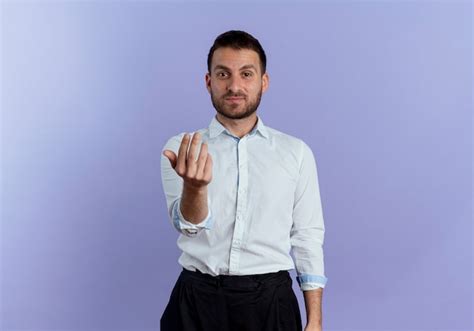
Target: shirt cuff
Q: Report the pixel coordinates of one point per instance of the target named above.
(310, 282)
(187, 228)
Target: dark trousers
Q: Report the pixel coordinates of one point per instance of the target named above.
(201, 302)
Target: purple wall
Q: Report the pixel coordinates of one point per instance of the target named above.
(381, 91)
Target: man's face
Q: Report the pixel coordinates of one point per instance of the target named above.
(236, 82)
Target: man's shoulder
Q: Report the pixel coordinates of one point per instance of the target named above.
(290, 144)
(283, 138)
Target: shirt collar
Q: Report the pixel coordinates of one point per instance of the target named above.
(216, 128)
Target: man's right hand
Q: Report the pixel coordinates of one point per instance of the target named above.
(196, 173)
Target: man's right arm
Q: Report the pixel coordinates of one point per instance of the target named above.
(185, 176)
(194, 204)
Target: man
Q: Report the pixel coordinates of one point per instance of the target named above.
(242, 195)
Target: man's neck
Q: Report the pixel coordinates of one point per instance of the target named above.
(238, 127)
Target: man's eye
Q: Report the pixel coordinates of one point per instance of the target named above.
(247, 74)
(221, 74)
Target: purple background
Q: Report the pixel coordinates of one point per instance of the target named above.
(381, 91)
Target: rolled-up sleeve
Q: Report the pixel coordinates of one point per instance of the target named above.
(307, 233)
(172, 188)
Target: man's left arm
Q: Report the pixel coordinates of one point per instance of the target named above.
(313, 304)
(307, 238)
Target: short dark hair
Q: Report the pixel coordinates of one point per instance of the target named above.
(238, 39)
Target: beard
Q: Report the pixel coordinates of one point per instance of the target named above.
(225, 109)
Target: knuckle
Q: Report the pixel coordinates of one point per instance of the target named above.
(187, 178)
(199, 178)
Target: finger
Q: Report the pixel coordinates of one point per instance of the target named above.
(171, 157)
(193, 149)
(208, 168)
(201, 162)
(181, 162)
(191, 159)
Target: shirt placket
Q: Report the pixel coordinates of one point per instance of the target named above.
(237, 237)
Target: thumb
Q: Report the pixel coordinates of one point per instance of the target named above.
(171, 156)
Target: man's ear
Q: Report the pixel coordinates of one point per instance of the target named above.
(208, 82)
(265, 82)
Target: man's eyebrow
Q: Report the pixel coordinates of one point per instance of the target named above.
(247, 66)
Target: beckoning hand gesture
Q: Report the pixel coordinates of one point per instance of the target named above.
(196, 172)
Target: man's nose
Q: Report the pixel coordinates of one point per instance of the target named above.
(234, 84)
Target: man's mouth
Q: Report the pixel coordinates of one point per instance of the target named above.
(234, 98)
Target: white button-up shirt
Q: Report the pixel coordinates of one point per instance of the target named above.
(263, 202)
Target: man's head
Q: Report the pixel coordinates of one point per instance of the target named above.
(237, 39)
(237, 74)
